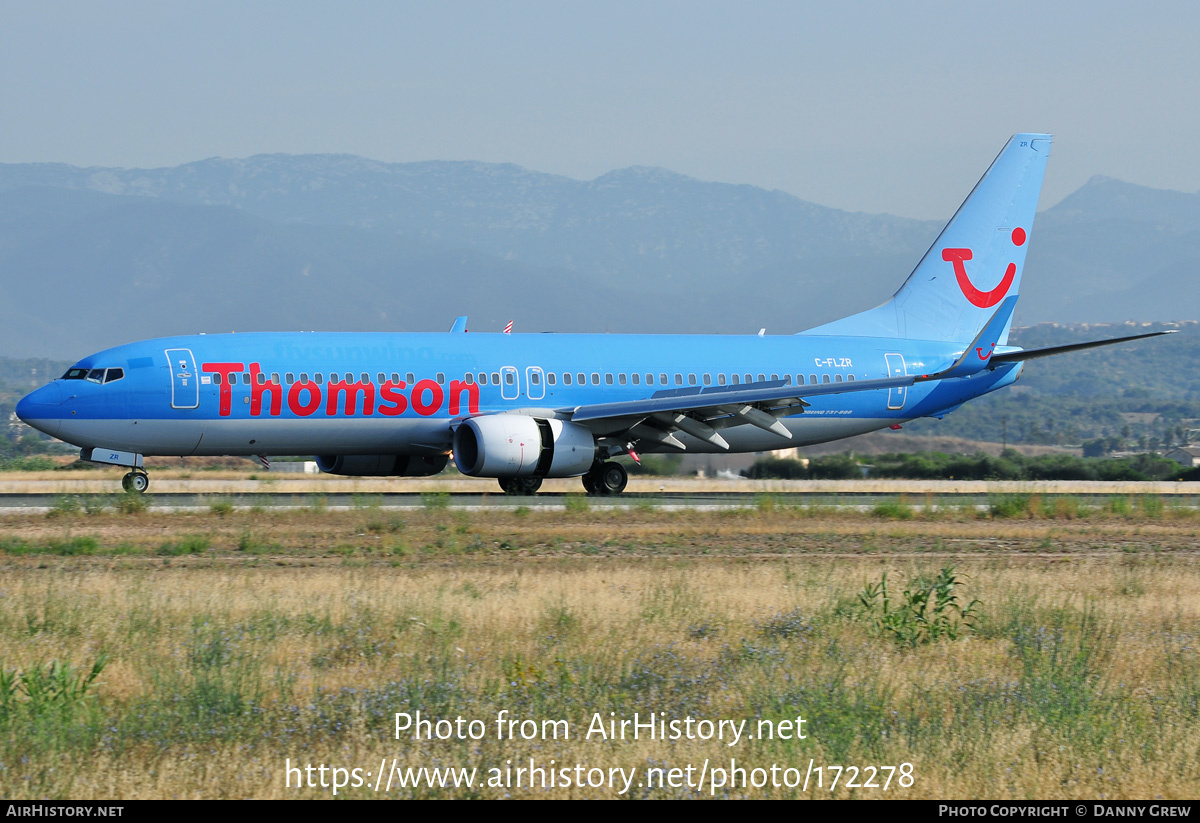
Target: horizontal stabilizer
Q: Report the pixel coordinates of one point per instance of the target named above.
(1049, 351)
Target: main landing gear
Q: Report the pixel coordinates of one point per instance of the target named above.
(520, 485)
(606, 478)
(136, 481)
(602, 478)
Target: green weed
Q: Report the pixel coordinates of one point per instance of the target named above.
(47, 688)
(189, 544)
(893, 510)
(929, 609)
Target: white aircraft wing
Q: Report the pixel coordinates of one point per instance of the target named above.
(703, 411)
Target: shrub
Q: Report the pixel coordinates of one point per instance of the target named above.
(929, 609)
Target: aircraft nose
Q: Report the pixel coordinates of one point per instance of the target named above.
(42, 409)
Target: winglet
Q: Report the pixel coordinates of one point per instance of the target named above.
(976, 356)
(459, 326)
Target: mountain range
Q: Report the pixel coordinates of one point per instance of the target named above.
(92, 257)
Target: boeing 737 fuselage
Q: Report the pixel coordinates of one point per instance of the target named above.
(522, 407)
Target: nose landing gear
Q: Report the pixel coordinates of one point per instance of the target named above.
(136, 481)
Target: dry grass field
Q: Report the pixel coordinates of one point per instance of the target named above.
(227, 644)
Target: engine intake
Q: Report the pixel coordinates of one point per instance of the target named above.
(381, 465)
(516, 445)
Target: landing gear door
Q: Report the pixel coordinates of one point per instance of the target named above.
(185, 384)
(896, 368)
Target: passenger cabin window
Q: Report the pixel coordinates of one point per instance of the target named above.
(849, 378)
(216, 378)
(262, 378)
(737, 380)
(567, 378)
(720, 380)
(535, 378)
(495, 378)
(551, 378)
(812, 378)
(382, 378)
(608, 378)
(799, 380)
(662, 379)
(509, 377)
(787, 380)
(246, 379)
(291, 378)
(395, 378)
(837, 378)
(409, 377)
(691, 379)
(637, 379)
(707, 379)
(749, 378)
(596, 378)
(366, 378)
(483, 378)
(824, 378)
(649, 379)
(621, 378)
(304, 377)
(275, 377)
(762, 378)
(469, 379)
(441, 378)
(678, 379)
(318, 378)
(581, 378)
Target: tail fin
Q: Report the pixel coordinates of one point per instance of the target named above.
(975, 262)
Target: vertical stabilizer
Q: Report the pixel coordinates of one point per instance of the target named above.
(974, 264)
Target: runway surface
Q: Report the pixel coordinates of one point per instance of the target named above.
(850, 496)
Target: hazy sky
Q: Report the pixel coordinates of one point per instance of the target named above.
(894, 107)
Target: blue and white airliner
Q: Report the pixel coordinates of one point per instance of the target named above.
(522, 407)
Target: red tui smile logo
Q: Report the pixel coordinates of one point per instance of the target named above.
(982, 299)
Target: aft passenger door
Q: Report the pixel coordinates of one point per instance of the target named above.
(896, 368)
(185, 384)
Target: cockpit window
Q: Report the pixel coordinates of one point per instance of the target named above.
(94, 375)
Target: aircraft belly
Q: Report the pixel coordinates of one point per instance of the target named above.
(162, 437)
(326, 436)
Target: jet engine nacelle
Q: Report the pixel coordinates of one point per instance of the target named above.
(516, 445)
(381, 465)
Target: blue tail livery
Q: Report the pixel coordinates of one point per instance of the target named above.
(523, 407)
